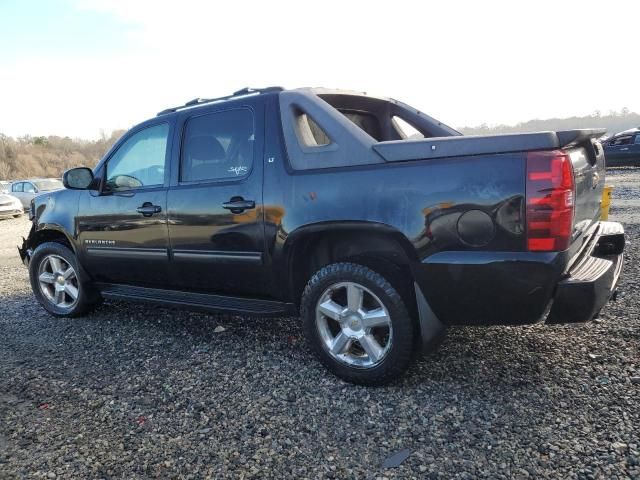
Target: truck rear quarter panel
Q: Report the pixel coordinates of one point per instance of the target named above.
(438, 205)
(462, 216)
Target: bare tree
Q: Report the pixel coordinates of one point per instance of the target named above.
(5, 170)
(29, 156)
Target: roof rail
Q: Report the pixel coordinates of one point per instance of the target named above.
(239, 93)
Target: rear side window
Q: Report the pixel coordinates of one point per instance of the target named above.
(405, 129)
(28, 187)
(16, 187)
(309, 132)
(218, 146)
(637, 142)
(366, 121)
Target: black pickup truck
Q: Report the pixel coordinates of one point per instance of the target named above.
(376, 223)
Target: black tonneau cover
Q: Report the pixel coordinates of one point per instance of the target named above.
(457, 146)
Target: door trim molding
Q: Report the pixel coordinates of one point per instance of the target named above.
(218, 256)
(124, 252)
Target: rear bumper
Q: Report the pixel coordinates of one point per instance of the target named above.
(520, 288)
(592, 280)
(490, 288)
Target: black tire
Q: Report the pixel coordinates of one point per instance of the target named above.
(87, 297)
(401, 351)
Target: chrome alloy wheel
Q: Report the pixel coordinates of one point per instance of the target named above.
(354, 325)
(58, 281)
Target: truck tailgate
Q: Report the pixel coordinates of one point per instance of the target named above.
(587, 159)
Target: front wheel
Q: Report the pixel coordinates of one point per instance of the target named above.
(53, 272)
(357, 324)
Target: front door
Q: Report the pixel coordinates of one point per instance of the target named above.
(619, 151)
(17, 190)
(123, 226)
(216, 226)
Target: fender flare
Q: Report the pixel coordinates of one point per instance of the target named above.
(54, 227)
(285, 254)
(336, 226)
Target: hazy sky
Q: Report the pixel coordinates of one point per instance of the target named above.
(73, 67)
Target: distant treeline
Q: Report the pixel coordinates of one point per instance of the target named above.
(50, 156)
(28, 156)
(614, 122)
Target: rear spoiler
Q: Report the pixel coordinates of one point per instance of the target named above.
(461, 146)
(573, 138)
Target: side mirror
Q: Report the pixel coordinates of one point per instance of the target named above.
(77, 178)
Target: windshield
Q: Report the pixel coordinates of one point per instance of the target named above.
(48, 185)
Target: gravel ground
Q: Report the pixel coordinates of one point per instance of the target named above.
(140, 392)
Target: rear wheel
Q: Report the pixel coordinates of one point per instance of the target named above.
(53, 271)
(357, 324)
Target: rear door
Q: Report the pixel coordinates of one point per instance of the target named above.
(29, 193)
(216, 224)
(123, 226)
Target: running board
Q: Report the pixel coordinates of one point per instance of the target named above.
(197, 301)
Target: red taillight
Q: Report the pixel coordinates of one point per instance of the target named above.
(550, 201)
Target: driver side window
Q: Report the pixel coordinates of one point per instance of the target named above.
(140, 160)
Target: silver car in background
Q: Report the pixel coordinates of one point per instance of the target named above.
(26, 190)
(10, 206)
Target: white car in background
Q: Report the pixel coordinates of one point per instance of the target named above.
(10, 206)
(26, 190)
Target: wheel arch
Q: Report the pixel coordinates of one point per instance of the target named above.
(375, 245)
(50, 233)
(39, 235)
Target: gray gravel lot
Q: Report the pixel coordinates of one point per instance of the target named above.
(141, 392)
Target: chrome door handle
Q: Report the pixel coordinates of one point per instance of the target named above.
(147, 209)
(239, 205)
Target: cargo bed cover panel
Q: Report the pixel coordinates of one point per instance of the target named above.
(457, 146)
